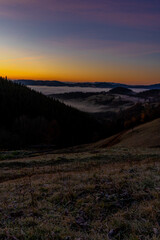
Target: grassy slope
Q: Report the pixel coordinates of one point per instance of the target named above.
(145, 135)
(98, 195)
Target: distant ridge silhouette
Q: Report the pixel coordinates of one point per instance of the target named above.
(83, 84)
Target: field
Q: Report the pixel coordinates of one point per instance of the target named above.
(111, 193)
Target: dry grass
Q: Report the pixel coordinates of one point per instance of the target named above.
(107, 194)
(145, 135)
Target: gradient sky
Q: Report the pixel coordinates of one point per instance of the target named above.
(81, 40)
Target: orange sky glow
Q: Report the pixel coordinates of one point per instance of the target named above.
(102, 41)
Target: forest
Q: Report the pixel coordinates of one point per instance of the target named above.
(30, 118)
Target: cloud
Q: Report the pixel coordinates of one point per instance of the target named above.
(125, 13)
(119, 48)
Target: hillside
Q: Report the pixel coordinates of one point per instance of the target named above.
(150, 95)
(109, 194)
(92, 191)
(30, 118)
(145, 135)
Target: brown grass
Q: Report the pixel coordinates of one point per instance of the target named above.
(145, 135)
(108, 194)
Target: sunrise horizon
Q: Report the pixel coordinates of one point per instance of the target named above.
(84, 81)
(81, 40)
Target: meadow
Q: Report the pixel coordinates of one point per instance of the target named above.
(80, 193)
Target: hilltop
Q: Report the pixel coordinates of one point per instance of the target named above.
(121, 90)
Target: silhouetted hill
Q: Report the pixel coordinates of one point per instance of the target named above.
(29, 117)
(76, 95)
(144, 135)
(154, 93)
(121, 90)
(84, 84)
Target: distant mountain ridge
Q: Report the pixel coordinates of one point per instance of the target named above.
(83, 84)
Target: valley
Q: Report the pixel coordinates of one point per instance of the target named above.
(100, 179)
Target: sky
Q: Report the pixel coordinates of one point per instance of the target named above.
(81, 40)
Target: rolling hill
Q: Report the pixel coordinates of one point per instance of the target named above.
(121, 90)
(145, 135)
